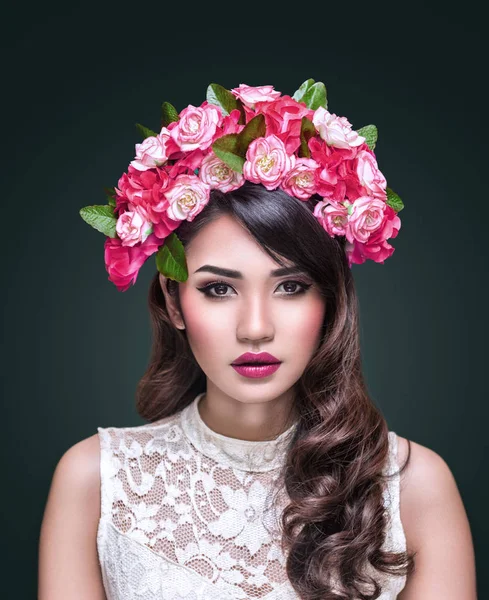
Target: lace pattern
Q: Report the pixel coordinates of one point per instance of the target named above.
(189, 514)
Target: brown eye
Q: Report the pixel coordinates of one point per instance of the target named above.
(217, 289)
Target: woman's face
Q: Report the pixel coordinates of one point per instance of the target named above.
(226, 316)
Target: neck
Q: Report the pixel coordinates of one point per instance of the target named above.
(251, 420)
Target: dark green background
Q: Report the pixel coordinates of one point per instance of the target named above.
(76, 80)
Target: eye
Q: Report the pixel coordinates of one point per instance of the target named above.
(220, 286)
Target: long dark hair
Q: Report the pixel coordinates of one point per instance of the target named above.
(335, 521)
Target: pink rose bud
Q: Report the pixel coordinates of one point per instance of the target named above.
(335, 131)
(267, 161)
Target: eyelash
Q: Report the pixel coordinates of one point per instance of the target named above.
(205, 289)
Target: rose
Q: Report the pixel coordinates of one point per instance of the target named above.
(217, 174)
(283, 117)
(250, 95)
(267, 161)
(153, 152)
(300, 181)
(144, 189)
(377, 248)
(366, 216)
(133, 226)
(196, 126)
(335, 178)
(335, 131)
(333, 216)
(369, 174)
(123, 262)
(187, 196)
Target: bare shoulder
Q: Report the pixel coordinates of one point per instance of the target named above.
(68, 558)
(429, 499)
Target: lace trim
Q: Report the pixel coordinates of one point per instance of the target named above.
(246, 455)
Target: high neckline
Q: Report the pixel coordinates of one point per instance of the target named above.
(246, 455)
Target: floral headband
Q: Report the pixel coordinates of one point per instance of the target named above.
(247, 133)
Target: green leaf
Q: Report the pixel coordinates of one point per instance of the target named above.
(170, 259)
(298, 94)
(307, 132)
(226, 148)
(313, 94)
(168, 114)
(101, 218)
(254, 129)
(394, 200)
(145, 132)
(369, 132)
(111, 196)
(220, 96)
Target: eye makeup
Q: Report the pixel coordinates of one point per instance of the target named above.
(206, 289)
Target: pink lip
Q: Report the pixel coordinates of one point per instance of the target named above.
(256, 371)
(261, 357)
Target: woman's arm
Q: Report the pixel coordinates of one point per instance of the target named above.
(68, 560)
(436, 526)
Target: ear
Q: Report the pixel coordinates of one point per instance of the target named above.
(171, 302)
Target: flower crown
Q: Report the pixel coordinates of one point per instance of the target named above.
(247, 133)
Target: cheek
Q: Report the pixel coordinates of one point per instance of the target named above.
(303, 327)
(207, 328)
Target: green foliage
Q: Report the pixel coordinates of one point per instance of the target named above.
(313, 94)
(168, 114)
(170, 259)
(145, 131)
(394, 200)
(369, 132)
(101, 218)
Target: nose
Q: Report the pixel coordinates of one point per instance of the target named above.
(255, 320)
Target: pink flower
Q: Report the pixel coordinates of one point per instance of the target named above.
(153, 152)
(377, 248)
(187, 196)
(366, 216)
(267, 161)
(336, 178)
(283, 117)
(336, 131)
(123, 262)
(250, 95)
(217, 174)
(300, 181)
(133, 226)
(196, 127)
(144, 189)
(333, 216)
(369, 174)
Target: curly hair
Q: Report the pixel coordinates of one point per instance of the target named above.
(335, 522)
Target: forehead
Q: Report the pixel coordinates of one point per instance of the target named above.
(225, 242)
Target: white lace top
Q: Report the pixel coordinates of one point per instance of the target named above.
(186, 513)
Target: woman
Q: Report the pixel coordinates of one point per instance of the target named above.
(277, 479)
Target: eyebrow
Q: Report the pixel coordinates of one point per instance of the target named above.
(238, 275)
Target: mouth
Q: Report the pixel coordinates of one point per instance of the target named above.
(256, 370)
(255, 364)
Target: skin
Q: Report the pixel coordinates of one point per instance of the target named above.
(254, 316)
(258, 313)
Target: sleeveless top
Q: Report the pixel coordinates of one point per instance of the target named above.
(186, 513)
